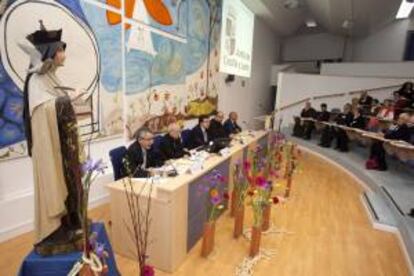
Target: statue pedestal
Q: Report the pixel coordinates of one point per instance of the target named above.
(36, 265)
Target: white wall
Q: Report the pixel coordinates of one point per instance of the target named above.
(16, 183)
(296, 87)
(377, 69)
(312, 47)
(387, 44)
(247, 101)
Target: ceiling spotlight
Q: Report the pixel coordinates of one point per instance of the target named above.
(291, 4)
(311, 23)
(405, 9)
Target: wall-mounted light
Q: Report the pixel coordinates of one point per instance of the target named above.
(405, 9)
(311, 23)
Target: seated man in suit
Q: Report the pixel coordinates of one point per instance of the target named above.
(199, 134)
(399, 132)
(308, 126)
(171, 146)
(216, 129)
(230, 125)
(140, 155)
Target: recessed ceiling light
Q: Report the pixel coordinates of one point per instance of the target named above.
(311, 23)
(405, 9)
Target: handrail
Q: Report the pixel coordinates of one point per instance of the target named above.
(354, 92)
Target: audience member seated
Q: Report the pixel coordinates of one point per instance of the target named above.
(407, 91)
(400, 103)
(199, 134)
(324, 115)
(216, 129)
(399, 132)
(365, 102)
(171, 146)
(358, 121)
(309, 113)
(385, 113)
(345, 119)
(230, 125)
(411, 127)
(140, 155)
(376, 107)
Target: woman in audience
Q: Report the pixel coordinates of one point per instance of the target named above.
(365, 102)
(400, 103)
(385, 113)
(401, 131)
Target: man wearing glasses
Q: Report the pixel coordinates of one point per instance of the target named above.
(140, 155)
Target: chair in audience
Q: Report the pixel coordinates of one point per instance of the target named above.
(117, 155)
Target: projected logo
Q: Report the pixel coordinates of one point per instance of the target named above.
(230, 39)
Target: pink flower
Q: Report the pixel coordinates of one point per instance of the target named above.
(261, 182)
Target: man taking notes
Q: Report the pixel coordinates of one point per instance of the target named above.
(140, 155)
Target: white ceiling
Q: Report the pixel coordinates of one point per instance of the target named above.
(365, 15)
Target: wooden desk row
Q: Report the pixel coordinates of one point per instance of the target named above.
(178, 211)
(403, 150)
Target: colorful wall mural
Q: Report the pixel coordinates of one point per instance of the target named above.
(161, 78)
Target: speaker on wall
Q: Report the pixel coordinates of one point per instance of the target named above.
(229, 78)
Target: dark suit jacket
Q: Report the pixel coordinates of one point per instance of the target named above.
(135, 159)
(345, 119)
(399, 133)
(310, 113)
(197, 138)
(216, 130)
(323, 116)
(231, 128)
(358, 122)
(171, 148)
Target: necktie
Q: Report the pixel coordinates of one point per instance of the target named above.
(205, 135)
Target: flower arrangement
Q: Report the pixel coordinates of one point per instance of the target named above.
(93, 258)
(217, 196)
(139, 212)
(216, 200)
(291, 155)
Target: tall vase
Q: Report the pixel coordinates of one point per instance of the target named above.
(266, 217)
(288, 186)
(208, 238)
(255, 241)
(238, 221)
(233, 202)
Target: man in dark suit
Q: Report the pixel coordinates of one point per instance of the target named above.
(216, 129)
(171, 146)
(324, 115)
(308, 126)
(365, 102)
(399, 132)
(231, 126)
(199, 134)
(140, 155)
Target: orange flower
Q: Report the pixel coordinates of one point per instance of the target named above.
(214, 193)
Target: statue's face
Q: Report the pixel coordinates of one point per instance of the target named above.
(60, 57)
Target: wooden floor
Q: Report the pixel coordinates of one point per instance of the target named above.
(331, 235)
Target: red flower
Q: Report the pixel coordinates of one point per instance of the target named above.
(247, 166)
(275, 200)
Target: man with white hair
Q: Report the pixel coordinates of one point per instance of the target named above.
(171, 146)
(400, 132)
(141, 156)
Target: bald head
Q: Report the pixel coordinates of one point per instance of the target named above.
(174, 130)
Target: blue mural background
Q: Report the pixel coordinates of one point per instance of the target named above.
(173, 62)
